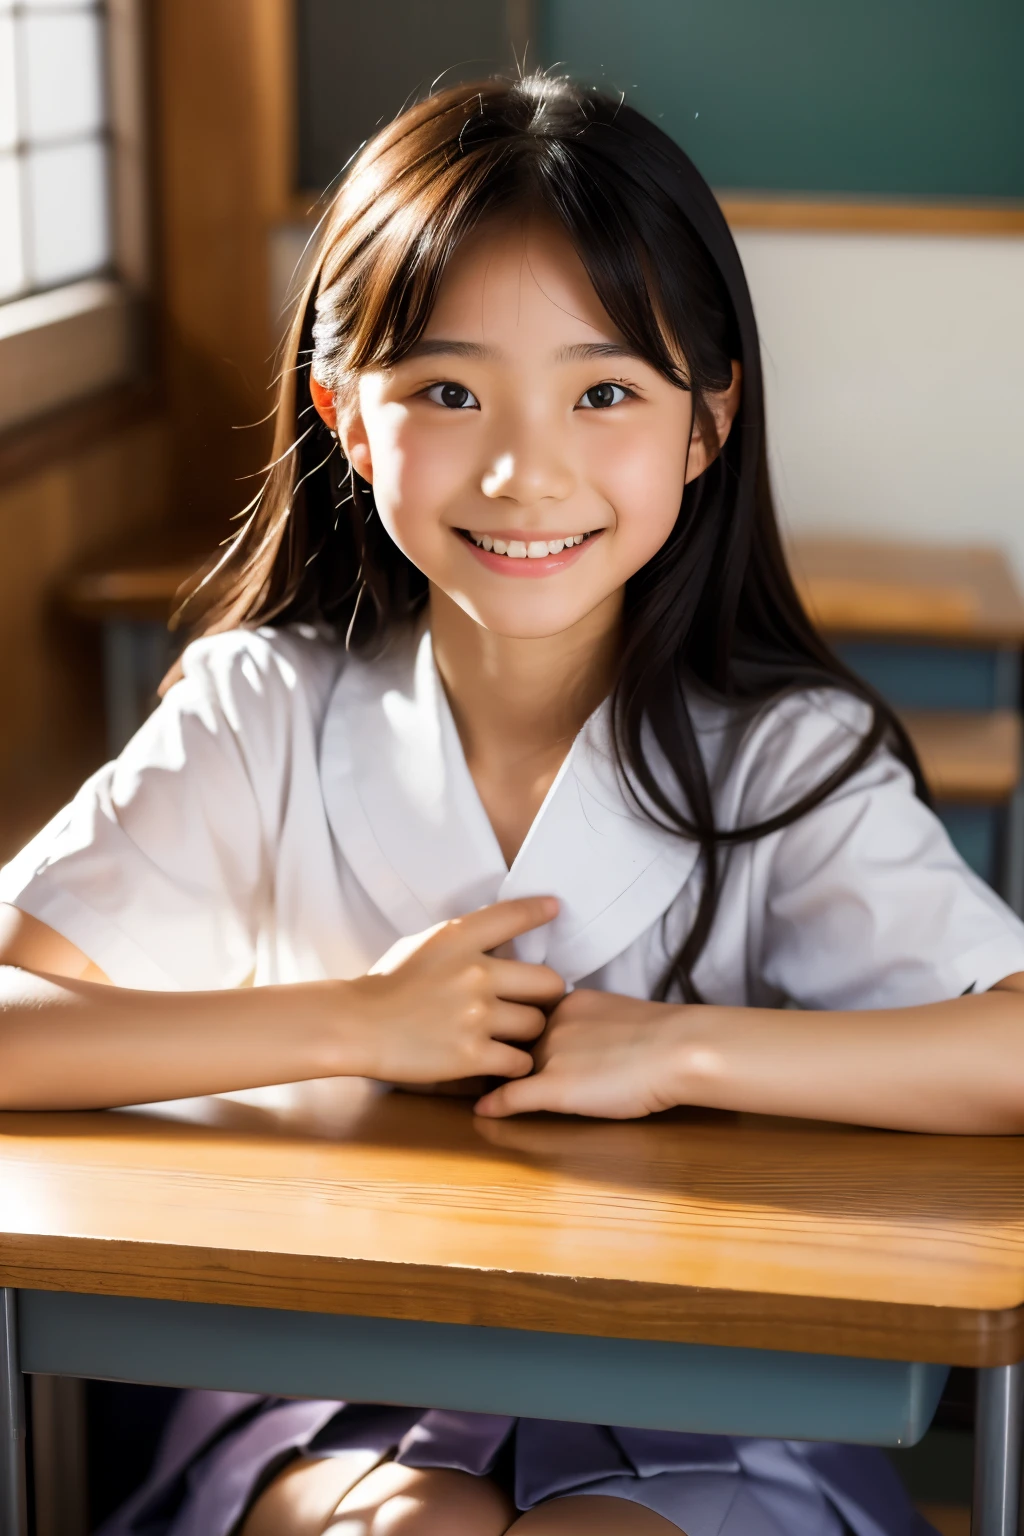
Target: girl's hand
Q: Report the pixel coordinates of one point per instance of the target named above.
(602, 1055)
(439, 1006)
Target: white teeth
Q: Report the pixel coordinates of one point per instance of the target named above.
(521, 549)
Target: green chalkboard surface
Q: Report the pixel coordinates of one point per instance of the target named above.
(360, 61)
(905, 98)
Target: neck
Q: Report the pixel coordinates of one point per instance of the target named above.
(518, 699)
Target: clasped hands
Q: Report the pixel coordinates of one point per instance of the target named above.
(443, 1006)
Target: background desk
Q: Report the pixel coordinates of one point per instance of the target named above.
(939, 631)
(701, 1272)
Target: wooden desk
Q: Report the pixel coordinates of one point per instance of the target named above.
(131, 599)
(968, 756)
(703, 1272)
(869, 587)
(853, 587)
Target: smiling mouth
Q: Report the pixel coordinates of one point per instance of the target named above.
(523, 549)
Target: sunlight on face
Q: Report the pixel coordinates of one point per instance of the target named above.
(522, 457)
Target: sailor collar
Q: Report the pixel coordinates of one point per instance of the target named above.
(408, 821)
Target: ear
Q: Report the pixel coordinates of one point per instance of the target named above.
(723, 407)
(355, 444)
(349, 429)
(323, 399)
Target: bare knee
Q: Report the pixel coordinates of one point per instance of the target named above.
(302, 1499)
(409, 1501)
(592, 1515)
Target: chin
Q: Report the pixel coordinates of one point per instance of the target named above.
(529, 621)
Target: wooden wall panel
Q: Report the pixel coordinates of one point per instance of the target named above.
(50, 683)
(221, 142)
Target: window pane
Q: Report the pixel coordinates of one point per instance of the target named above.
(8, 112)
(63, 74)
(12, 276)
(67, 189)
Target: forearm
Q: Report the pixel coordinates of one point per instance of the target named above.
(67, 1044)
(954, 1067)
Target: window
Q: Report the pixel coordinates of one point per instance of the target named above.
(73, 227)
(55, 223)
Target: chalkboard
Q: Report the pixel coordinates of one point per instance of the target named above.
(918, 98)
(360, 61)
(903, 98)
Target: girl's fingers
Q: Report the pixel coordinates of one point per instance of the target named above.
(516, 1021)
(505, 1061)
(516, 1098)
(495, 925)
(520, 982)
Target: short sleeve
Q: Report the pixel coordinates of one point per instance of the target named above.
(866, 903)
(160, 868)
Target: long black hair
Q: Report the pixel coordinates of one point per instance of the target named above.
(716, 608)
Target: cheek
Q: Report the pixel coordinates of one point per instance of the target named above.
(642, 476)
(415, 471)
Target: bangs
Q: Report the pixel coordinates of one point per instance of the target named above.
(411, 201)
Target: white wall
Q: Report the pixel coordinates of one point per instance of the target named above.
(894, 370)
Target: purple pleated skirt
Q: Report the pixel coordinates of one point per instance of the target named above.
(222, 1448)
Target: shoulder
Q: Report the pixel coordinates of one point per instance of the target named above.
(763, 758)
(244, 673)
(808, 729)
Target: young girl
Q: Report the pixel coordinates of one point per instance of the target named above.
(508, 751)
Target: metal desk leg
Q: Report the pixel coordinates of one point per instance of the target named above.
(13, 1483)
(998, 1435)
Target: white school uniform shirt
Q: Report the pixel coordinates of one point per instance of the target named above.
(288, 812)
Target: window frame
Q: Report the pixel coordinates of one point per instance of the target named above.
(89, 337)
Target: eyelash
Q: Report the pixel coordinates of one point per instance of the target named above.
(627, 392)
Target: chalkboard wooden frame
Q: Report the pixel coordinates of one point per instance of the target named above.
(760, 210)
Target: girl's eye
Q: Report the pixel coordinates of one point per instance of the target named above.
(600, 396)
(454, 397)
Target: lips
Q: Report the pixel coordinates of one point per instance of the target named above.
(519, 557)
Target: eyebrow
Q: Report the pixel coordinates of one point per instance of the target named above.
(585, 351)
(441, 347)
(579, 352)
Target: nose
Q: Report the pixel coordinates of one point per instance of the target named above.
(529, 472)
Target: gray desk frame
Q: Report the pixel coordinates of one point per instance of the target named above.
(699, 1388)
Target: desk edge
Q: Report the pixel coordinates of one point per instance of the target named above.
(535, 1303)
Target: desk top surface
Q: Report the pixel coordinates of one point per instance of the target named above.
(863, 588)
(699, 1227)
(972, 756)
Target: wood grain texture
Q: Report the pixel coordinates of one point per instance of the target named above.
(693, 1227)
(220, 144)
(971, 756)
(929, 591)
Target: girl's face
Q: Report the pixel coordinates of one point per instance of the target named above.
(522, 456)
